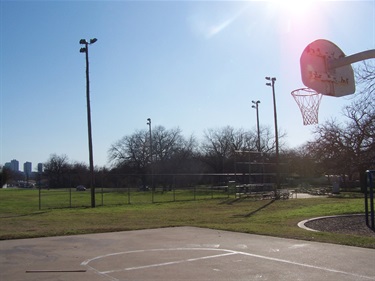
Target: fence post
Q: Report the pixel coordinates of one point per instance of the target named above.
(369, 196)
(152, 189)
(129, 194)
(174, 188)
(70, 191)
(102, 177)
(40, 191)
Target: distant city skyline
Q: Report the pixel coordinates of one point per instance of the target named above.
(14, 165)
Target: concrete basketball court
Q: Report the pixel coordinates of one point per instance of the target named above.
(181, 253)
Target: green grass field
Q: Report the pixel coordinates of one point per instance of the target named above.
(21, 218)
(32, 199)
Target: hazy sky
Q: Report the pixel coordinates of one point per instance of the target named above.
(195, 65)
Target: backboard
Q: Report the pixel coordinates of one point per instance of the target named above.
(317, 75)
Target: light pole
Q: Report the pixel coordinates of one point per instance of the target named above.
(272, 84)
(85, 49)
(151, 162)
(256, 104)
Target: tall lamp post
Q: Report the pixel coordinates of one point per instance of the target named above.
(256, 104)
(85, 50)
(272, 84)
(151, 162)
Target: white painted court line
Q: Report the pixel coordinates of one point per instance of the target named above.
(308, 266)
(154, 250)
(106, 273)
(228, 253)
(169, 263)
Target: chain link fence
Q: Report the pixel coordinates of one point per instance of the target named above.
(121, 189)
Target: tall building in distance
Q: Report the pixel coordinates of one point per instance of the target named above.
(40, 167)
(27, 169)
(14, 165)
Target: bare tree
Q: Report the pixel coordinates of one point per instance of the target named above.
(301, 163)
(348, 148)
(267, 140)
(365, 80)
(171, 153)
(56, 170)
(166, 143)
(220, 145)
(331, 148)
(133, 151)
(79, 174)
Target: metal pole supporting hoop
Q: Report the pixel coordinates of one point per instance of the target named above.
(369, 200)
(308, 102)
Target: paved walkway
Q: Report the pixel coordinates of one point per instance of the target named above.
(181, 253)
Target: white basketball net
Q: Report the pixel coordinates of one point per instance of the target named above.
(308, 102)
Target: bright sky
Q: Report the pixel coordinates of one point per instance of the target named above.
(195, 65)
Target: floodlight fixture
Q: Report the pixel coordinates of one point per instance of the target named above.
(271, 79)
(84, 41)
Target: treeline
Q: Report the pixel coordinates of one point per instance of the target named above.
(346, 149)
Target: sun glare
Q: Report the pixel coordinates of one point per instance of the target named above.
(295, 7)
(293, 14)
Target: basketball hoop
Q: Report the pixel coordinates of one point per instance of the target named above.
(308, 102)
